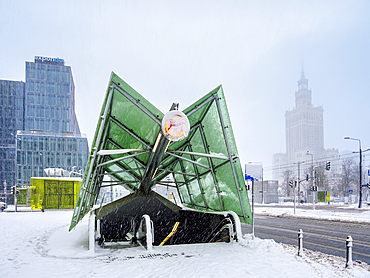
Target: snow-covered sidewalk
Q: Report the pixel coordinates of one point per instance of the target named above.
(348, 213)
(35, 244)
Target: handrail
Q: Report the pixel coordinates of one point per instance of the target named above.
(235, 221)
(171, 233)
(217, 229)
(226, 226)
(149, 232)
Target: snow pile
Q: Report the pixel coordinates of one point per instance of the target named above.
(35, 244)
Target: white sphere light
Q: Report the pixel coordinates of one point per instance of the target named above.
(175, 125)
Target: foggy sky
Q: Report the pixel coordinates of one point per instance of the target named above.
(178, 51)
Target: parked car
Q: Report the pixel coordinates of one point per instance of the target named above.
(3, 206)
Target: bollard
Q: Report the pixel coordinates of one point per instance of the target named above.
(91, 227)
(349, 263)
(300, 242)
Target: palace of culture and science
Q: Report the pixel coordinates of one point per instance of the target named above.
(304, 134)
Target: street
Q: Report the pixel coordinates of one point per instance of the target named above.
(319, 235)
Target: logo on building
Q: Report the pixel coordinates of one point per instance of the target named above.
(49, 60)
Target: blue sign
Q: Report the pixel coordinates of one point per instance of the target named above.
(250, 178)
(351, 191)
(368, 173)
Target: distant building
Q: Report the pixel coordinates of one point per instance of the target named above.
(37, 117)
(270, 192)
(304, 126)
(304, 131)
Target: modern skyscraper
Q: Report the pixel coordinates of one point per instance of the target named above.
(37, 117)
(11, 120)
(50, 96)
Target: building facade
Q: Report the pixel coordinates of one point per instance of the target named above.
(50, 97)
(38, 120)
(11, 120)
(304, 125)
(39, 150)
(304, 132)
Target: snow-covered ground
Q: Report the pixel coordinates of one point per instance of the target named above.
(348, 213)
(36, 244)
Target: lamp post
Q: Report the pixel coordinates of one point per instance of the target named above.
(360, 151)
(250, 178)
(312, 178)
(15, 168)
(250, 162)
(296, 194)
(314, 187)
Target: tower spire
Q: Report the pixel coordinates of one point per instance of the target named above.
(303, 80)
(303, 96)
(302, 73)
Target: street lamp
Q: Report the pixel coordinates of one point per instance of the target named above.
(360, 151)
(312, 179)
(297, 185)
(311, 154)
(15, 168)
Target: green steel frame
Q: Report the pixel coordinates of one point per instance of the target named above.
(205, 166)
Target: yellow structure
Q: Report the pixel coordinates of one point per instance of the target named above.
(23, 196)
(54, 192)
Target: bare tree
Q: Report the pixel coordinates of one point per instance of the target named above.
(348, 178)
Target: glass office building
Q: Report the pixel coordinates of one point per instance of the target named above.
(37, 117)
(38, 150)
(11, 120)
(50, 97)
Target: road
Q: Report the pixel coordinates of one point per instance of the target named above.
(318, 235)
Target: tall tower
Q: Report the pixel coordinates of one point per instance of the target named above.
(304, 131)
(304, 127)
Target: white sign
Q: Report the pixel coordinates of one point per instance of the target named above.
(48, 60)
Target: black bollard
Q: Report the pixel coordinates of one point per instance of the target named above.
(300, 242)
(349, 263)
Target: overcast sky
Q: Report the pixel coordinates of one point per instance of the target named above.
(177, 51)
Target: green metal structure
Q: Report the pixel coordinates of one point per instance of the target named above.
(204, 167)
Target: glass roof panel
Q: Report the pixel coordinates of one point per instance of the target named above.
(128, 121)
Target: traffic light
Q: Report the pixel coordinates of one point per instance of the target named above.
(291, 183)
(327, 165)
(247, 186)
(12, 190)
(307, 177)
